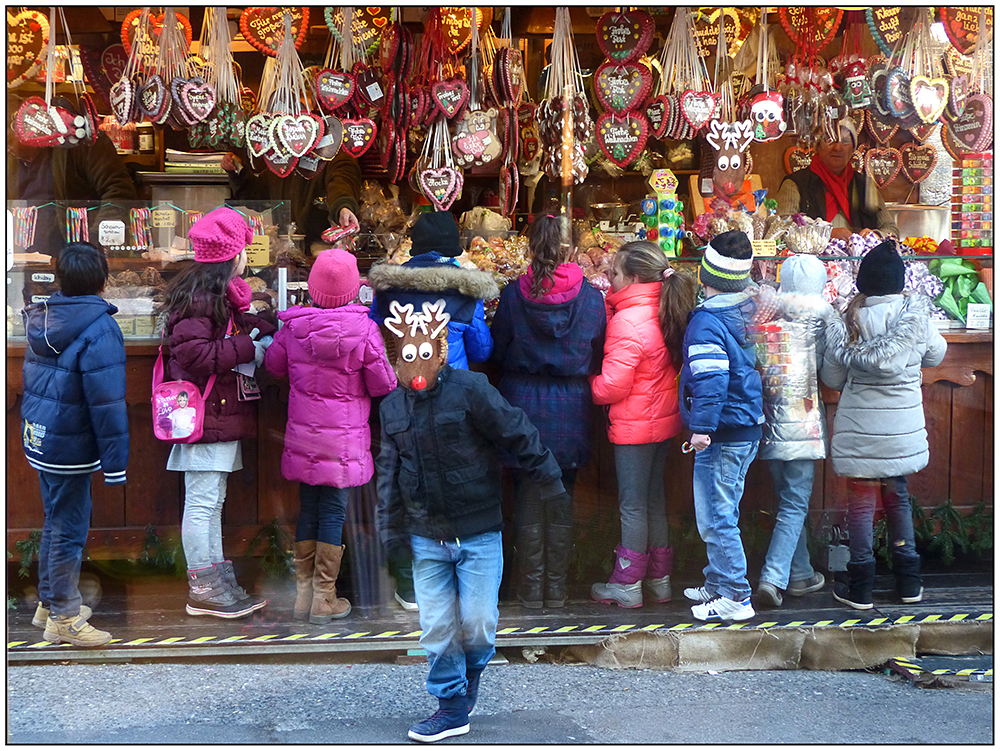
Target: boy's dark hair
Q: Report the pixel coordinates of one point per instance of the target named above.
(81, 269)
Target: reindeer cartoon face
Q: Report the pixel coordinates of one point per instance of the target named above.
(730, 141)
(418, 348)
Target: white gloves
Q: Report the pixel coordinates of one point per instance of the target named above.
(261, 346)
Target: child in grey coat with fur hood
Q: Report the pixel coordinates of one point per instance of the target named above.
(794, 435)
(874, 357)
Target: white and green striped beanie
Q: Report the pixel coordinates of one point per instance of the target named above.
(725, 266)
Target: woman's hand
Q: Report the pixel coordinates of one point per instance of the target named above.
(231, 163)
(347, 219)
(841, 233)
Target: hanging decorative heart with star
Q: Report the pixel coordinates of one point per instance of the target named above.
(622, 88)
(624, 37)
(622, 138)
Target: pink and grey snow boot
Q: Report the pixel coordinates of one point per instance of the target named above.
(625, 586)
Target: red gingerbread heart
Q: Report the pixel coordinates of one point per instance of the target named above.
(27, 40)
(622, 138)
(450, 96)
(698, 107)
(624, 37)
(334, 89)
(359, 135)
(35, 126)
(622, 88)
(258, 134)
(918, 161)
(264, 28)
(882, 165)
(797, 158)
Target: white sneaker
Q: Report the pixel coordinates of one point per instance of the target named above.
(698, 594)
(724, 609)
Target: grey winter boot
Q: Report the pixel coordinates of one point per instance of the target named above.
(625, 586)
(228, 574)
(210, 595)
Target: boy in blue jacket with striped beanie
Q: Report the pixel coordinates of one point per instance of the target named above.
(73, 423)
(722, 405)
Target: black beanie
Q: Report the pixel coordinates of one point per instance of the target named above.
(725, 266)
(882, 271)
(435, 231)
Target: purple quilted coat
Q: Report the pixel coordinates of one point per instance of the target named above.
(335, 362)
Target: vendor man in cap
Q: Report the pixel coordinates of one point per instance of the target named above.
(830, 189)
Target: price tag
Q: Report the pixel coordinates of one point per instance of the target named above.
(164, 218)
(764, 247)
(978, 316)
(258, 252)
(112, 232)
(43, 278)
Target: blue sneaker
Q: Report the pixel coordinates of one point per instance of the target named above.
(472, 692)
(452, 718)
(724, 609)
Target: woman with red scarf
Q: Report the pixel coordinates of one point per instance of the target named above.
(830, 189)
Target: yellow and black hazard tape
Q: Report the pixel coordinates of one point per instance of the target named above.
(911, 668)
(506, 635)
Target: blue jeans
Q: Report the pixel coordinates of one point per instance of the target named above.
(457, 583)
(720, 472)
(66, 500)
(788, 556)
(641, 499)
(322, 511)
(862, 497)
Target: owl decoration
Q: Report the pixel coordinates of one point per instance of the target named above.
(767, 113)
(730, 141)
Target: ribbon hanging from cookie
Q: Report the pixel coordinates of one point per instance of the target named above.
(225, 126)
(475, 142)
(437, 176)
(685, 99)
(767, 107)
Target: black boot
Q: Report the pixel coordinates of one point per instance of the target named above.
(558, 545)
(909, 584)
(858, 592)
(531, 563)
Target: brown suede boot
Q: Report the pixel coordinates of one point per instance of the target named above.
(325, 604)
(305, 556)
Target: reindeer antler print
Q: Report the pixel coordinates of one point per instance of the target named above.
(434, 313)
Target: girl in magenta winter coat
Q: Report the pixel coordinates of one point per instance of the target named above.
(335, 361)
(210, 333)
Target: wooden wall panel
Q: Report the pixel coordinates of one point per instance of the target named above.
(931, 482)
(153, 494)
(968, 420)
(988, 455)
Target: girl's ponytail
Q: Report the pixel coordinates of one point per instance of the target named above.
(545, 244)
(851, 317)
(677, 299)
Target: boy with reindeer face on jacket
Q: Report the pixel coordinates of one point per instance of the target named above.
(439, 484)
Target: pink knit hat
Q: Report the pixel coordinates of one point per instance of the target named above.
(334, 279)
(220, 235)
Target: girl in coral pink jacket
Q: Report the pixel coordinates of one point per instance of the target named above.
(335, 360)
(647, 312)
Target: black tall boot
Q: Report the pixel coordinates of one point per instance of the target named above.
(858, 592)
(558, 545)
(909, 584)
(531, 563)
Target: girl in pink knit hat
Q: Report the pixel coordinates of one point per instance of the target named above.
(209, 333)
(335, 361)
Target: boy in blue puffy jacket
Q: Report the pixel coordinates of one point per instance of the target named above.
(73, 422)
(722, 405)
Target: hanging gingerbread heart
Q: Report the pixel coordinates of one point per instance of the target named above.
(858, 158)
(877, 76)
(368, 26)
(622, 88)
(475, 141)
(441, 186)
(656, 111)
(698, 107)
(797, 158)
(622, 138)
(897, 94)
(152, 96)
(923, 131)
(456, 25)
(878, 129)
(264, 28)
(298, 134)
(961, 25)
(958, 90)
(973, 131)
(122, 99)
(957, 64)
(195, 96)
(334, 89)
(258, 134)
(34, 126)
(149, 46)
(929, 97)
(450, 96)
(887, 24)
(309, 166)
(624, 37)
(359, 135)
(369, 91)
(332, 139)
(27, 40)
(767, 113)
(882, 165)
(917, 161)
(820, 32)
(280, 164)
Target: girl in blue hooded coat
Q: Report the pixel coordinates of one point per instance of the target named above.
(548, 336)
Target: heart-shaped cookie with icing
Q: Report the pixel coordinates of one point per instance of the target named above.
(624, 37)
(622, 88)
(359, 135)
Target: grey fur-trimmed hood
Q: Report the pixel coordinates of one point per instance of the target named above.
(439, 278)
(888, 353)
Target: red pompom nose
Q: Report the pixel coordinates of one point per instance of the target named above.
(419, 383)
